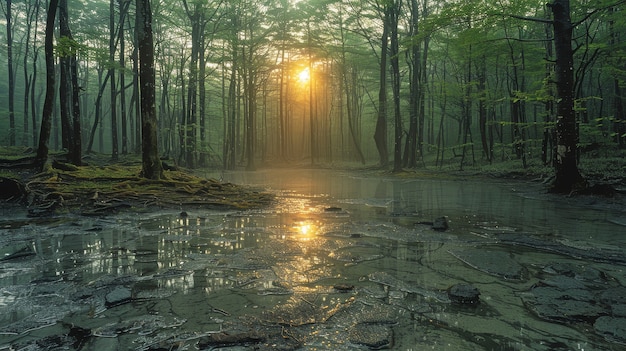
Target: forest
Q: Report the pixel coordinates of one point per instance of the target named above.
(246, 84)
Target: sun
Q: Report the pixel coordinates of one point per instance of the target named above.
(304, 75)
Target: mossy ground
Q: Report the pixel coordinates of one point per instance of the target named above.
(101, 186)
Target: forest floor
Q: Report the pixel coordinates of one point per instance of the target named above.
(101, 187)
(603, 169)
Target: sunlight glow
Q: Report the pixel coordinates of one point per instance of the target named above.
(304, 75)
(307, 230)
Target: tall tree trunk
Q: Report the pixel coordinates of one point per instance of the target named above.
(410, 158)
(568, 177)
(192, 87)
(618, 99)
(380, 134)
(123, 6)
(48, 106)
(98, 108)
(202, 95)
(423, 82)
(352, 111)
(548, 133)
(136, 99)
(9, 28)
(230, 139)
(394, 14)
(482, 109)
(32, 10)
(113, 90)
(33, 100)
(151, 167)
(69, 90)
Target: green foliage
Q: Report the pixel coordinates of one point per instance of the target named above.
(67, 47)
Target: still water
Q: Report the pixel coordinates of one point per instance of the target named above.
(341, 261)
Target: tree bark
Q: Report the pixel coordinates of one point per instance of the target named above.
(9, 27)
(394, 14)
(410, 153)
(69, 90)
(48, 106)
(151, 167)
(113, 89)
(568, 177)
(380, 134)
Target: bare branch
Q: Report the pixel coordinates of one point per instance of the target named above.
(533, 19)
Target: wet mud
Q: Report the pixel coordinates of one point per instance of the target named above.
(340, 262)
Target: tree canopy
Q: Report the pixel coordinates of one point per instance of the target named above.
(416, 83)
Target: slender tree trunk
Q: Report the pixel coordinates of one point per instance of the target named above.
(113, 90)
(69, 90)
(9, 28)
(192, 87)
(136, 99)
(568, 177)
(394, 13)
(482, 109)
(29, 81)
(202, 96)
(380, 134)
(33, 100)
(123, 6)
(423, 83)
(548, 133)
(351, 109)
(151, 167)
(98, 116)
(48, 106)
(618, 98)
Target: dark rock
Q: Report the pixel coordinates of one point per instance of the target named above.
(80, 336)
(464, 294)
(343, 287)
(233, 338)
(440, 224)
(118, 296)
(333, 209)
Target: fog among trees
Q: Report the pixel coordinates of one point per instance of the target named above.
(400, 84)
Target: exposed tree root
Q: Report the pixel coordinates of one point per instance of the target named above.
(98, 190)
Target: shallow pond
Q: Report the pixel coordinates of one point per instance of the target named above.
(342, 261)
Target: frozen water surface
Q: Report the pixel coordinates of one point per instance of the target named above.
(340, 262)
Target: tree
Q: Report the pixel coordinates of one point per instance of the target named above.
(393, 9)
(380, 133)
(48, 107)
(113, 89)
(151, 167)
(568, 177)
(9, 26)
(69, 89)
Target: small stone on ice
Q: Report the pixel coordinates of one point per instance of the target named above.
(464, 294)
(118, 296)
